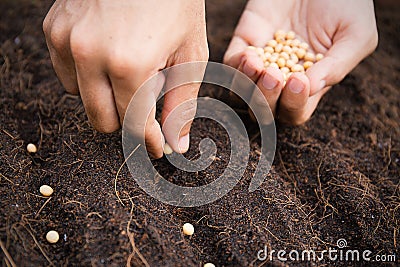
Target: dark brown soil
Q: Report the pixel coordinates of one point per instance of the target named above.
(335, 177)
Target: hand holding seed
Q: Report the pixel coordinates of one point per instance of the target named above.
(285, 34)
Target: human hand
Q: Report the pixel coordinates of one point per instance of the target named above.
(344, 31)
(104, 50)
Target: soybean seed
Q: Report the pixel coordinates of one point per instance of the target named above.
(188, 229)
(278, 48)
(300, 53)
(46, 190)
(167, 149)
(290, 35)
(309, 57)
(297, 68)
(294, 58)
(52, 236)
(274, 65)
(281, 62)
(307, 64)
(304, 45)
(269, 49)
(272, 43)
(273, 58)
(31, 148)
(319, 56)
(279, 34)
(285, 70)
(208, 264)
(289, 63)
(284, 55)
(295, 43)
(287, 49)
(259, 51)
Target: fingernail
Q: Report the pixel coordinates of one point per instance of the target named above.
(249, 71)
(295, 85)
(269, 82)
(322, 84)
(183, 143)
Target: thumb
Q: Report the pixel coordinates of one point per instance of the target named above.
(179, 109)
(340, 59)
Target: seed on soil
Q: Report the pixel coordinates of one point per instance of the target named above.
(31, 148)
(167, 149)
(188, 229)
(209, 264)
(52, 237)
(46, 190)
(287, 53)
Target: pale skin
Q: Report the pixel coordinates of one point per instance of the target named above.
(344, 31)
(104, 50)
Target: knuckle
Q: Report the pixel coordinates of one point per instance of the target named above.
(82, 46)
(57, 38)
(121, 63)
(46, 25)
(121, 67)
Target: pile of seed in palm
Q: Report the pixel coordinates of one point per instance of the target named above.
(287, 53)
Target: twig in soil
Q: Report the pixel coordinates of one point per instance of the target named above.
(41, 208)
(94, 213)
(8, 256)
(6, 178)
(37, 244)
(119, 170)
(320, 193)
(288, 176)
(41, 130)
(132, 239)
(10, 135)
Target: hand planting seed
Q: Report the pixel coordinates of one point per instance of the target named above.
(52, 237)
(31, 148)
(46, 190)
(287, 53)
(188, 229)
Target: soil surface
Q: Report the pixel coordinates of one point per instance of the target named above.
(335, 177)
